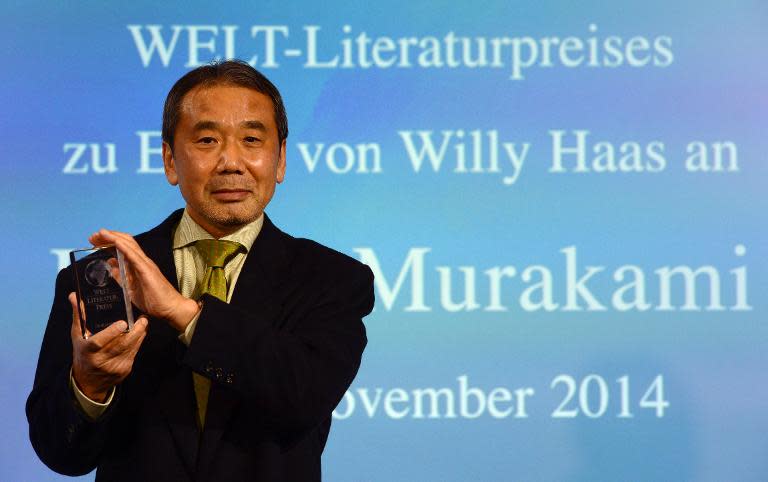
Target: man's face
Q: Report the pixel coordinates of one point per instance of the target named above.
(226, 156)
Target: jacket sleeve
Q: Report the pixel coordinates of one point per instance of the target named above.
(63, 436)
(294, 358)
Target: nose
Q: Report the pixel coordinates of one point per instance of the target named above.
(230, 159)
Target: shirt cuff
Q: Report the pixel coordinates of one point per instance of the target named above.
(186, 337)
(91, 408)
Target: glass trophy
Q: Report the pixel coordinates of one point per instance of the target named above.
(101, 298)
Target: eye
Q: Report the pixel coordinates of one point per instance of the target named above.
(251, 139)
(206, 140)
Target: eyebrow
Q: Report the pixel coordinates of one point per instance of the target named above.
(212, 125)
(205, 125)
(254, 124)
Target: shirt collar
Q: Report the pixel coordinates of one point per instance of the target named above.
(188, 231)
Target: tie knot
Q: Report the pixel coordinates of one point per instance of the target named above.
(216, 252)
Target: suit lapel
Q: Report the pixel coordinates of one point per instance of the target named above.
(175, 399)
(157, 245)
(257, 288)
(264, 270)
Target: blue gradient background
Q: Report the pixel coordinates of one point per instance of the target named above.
(72, 74)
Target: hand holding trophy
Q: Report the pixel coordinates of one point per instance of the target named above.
(102, 297)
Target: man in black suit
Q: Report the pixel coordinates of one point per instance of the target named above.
(235, 385)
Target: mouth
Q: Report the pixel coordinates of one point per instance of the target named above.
(230, 195)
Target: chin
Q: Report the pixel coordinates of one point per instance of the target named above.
(229, 217)
(240, 218)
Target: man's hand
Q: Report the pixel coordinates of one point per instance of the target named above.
(103, 360)
(149, 289)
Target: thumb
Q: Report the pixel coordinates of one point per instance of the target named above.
(109, 333)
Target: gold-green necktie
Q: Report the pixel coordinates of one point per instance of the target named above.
(216, 253)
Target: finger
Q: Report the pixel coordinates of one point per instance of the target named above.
(138, 331)
(76, 331)
(114, 270)
(137, 335)
(104, 237)
(134, 349)
(75, 315)
(110, 236)
(100, 238)
(128, 243)
(107, 235)
(130, 341)
(107, 335)
(131, 251)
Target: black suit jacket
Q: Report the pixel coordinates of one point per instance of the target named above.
(280, 357)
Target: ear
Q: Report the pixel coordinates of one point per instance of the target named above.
(280, 175)
(169, 165)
